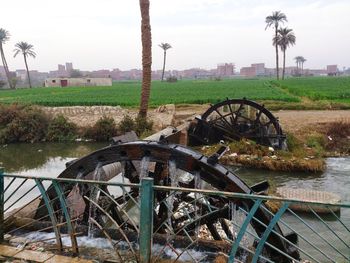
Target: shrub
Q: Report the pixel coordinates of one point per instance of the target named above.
(338, 136)
(22, 124)
(2, 83)
(103, 130)
(60, 129)
(143, 126)
(127, 124)
(171, 79)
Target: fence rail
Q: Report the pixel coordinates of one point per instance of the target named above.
(89, 217)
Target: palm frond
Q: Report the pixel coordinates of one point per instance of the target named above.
(26, 49)
(4, 35)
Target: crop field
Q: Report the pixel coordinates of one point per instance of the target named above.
(292, 90)
(336, 89)
(128, 93)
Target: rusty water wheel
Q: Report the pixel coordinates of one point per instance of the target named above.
(166, 163)
(234, 119)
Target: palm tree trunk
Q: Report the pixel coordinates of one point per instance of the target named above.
(146, 57)
(7, 72)
(284, 64)
(164, 65)
(302, 68)
(25, 62)
(276, 46)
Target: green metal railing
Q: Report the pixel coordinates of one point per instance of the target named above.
(194, 228)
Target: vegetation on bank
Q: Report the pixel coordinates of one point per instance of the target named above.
(306, 152)
(26, 123)
(292, 93)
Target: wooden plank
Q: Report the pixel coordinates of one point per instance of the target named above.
(310, 196)
(8, 251)
(35, 256)
(63, 259)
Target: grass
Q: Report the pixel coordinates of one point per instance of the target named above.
(128, 93)
(336, 89)
(292, 93)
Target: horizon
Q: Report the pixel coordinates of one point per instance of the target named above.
(202, 34)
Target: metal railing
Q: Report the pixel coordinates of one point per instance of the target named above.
(188, 225)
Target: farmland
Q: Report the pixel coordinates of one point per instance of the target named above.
(292, 91)
(319, 88)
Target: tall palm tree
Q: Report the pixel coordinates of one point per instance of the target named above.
(302, 61)
(146, 39)
(165, 47)
(275, 20)
(26, 50)
(285, 38)
(5, 36)
(297, 61)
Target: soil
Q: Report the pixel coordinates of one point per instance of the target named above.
(291, 120)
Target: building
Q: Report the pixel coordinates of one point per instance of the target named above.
(332, 70)
(225, 69)
(69, 67)
(259, 69)
(74, 82)
(248, 71)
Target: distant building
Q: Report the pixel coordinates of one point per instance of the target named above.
(225, 69)
(69, 67)
(21, 74)
(74, 82)
(332, 69)
(259, 69)
(248, 72)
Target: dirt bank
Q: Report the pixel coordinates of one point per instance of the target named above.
(291, 120)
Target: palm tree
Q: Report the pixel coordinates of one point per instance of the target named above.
(27, 50)
(274, 20)
(5, 36)
(285, 38)
(146, 39)
(165, 47)
(297, 61)
(302, 61)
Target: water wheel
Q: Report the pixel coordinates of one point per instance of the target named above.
(234, 119)
(181, 213)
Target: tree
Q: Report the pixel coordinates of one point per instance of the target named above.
(302, 61)
(285, 38)
(275, 20)
(165, 47)
(26, 50)
(5, 36)
(146, 39)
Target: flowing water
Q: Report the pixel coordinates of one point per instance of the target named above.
(49, 159)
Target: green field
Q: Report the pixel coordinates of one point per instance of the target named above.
(319, 88)
(188, 92)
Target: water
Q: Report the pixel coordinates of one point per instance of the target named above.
(44, 159)
(335, 179)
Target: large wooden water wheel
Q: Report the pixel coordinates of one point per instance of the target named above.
(234, 119)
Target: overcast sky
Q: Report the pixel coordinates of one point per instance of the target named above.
(105, 34)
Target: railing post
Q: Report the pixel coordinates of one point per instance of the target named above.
(146, 220)
(1, 204)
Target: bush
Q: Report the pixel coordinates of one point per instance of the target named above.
(143, 126)
(103, 130)
(22, 124)
(127, 124)
(60, 129)
(171, 79)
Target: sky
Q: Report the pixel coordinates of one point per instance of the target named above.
(106, 34)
